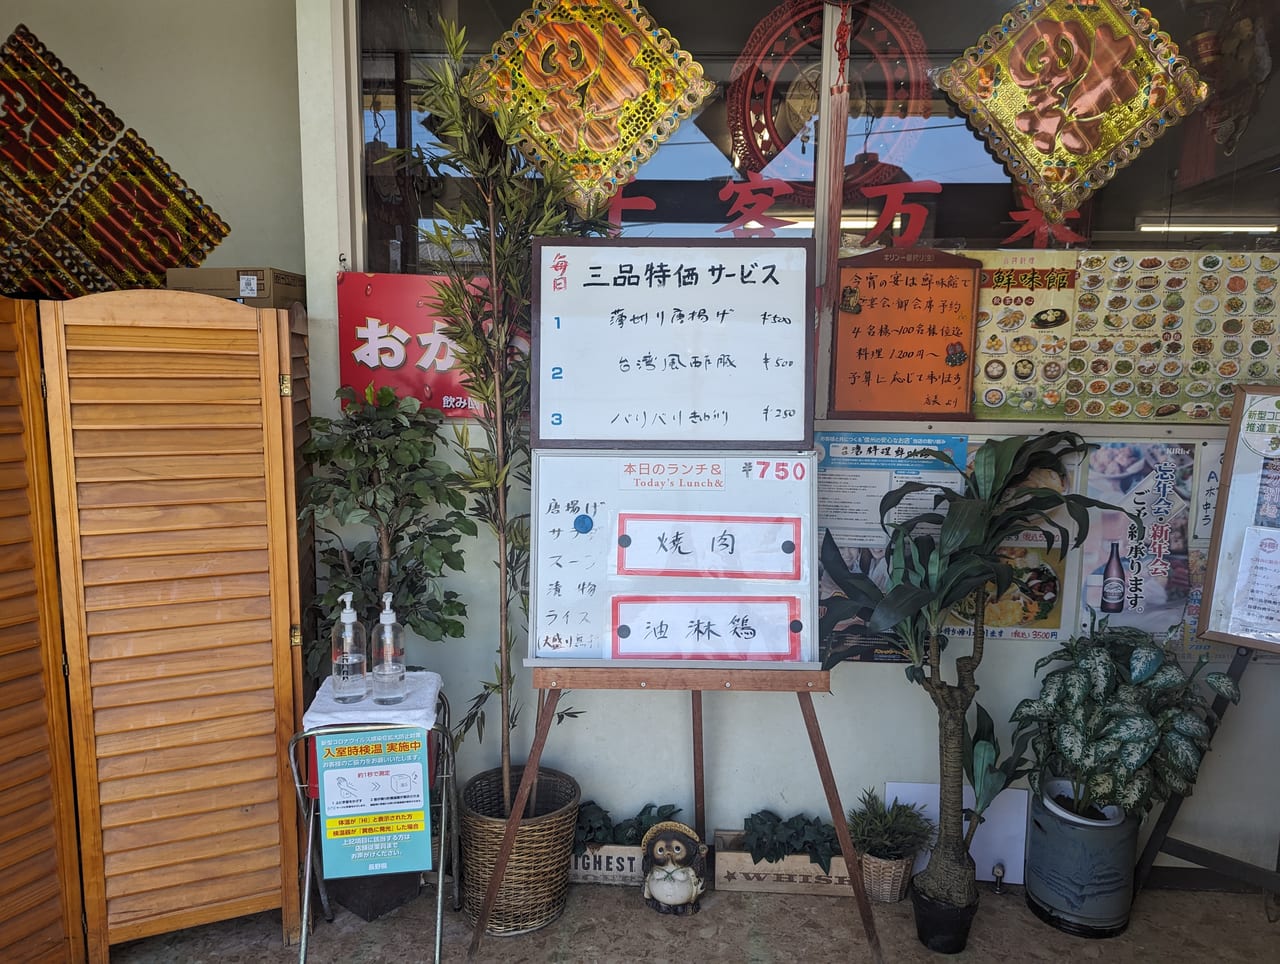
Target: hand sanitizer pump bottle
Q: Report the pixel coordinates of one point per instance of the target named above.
(350, 649)
(388, 656)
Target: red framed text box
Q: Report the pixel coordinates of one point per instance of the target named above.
(723, 627)
(716, 546)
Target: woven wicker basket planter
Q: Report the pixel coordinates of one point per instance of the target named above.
(886, 880)
(537, 876)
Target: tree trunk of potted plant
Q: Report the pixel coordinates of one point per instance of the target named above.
(945, 893)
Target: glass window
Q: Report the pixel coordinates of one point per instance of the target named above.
(745, 164)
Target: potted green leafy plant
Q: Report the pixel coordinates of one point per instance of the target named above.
(768, 837)
(375, 470)
(482, 243)
(1118, 726)
(939, 559)
(888, 837)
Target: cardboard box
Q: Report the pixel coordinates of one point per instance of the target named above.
(735, 870)
(609, 864)
(255, 287)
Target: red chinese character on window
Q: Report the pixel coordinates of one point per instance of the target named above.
(751, 198)
(1034, 223)
(913, 215)
(619, 204)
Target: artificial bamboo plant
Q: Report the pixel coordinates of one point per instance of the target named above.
(942, 558)
(497, 203)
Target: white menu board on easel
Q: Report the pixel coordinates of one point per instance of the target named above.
(674, 555)
(673, 343)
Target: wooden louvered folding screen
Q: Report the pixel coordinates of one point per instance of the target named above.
(170, 451)
(39, 875)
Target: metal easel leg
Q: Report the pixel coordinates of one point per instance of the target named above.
(445, 816)
(306, 882)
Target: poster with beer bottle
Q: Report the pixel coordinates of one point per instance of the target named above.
(1140, 576)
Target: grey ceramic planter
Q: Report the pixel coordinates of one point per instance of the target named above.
(1079, 874)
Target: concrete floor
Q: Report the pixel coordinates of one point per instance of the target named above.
(608, 924)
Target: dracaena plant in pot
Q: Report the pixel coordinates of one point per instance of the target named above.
(1118, 727)
(493, 204)
(938, 560)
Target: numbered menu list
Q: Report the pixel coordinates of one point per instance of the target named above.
(697, 345)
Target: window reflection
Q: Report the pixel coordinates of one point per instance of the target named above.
(746, 163)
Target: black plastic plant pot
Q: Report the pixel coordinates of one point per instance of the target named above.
(943, 928)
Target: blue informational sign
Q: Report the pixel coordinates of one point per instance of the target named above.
(877, 450)
(374, 802)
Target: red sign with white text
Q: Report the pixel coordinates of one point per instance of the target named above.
(388, 335)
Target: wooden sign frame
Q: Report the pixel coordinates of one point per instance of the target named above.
(1244, 473)
(584, 333)
(904, 267)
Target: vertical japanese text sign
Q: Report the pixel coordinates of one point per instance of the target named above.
(904, 333)
(673, 344)
(374, 802)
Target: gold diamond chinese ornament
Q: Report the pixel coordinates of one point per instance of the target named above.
(600, 85)
(1067, 92)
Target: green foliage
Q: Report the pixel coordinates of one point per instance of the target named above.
(1120, 719)
(890, 832)
(482, 240)
(983, 768)
(941, 557)
(938, 560)
(768, 837)
(374, 468)
(595, 828)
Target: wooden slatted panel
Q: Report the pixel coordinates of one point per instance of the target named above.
(169, 455)
(297, 412)
(39, 872)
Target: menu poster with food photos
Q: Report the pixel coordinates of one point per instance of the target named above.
(1152, 480)
(1166, 336)
(1025, 303)
(1161, 336)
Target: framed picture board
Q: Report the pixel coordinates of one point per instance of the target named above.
(1242, 583)
(904, 333)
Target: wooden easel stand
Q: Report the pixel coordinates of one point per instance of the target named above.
(802, 682)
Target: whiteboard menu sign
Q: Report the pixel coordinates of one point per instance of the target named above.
(673, 344)
(673, 555)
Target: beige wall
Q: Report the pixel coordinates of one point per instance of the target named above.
(212, 87)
